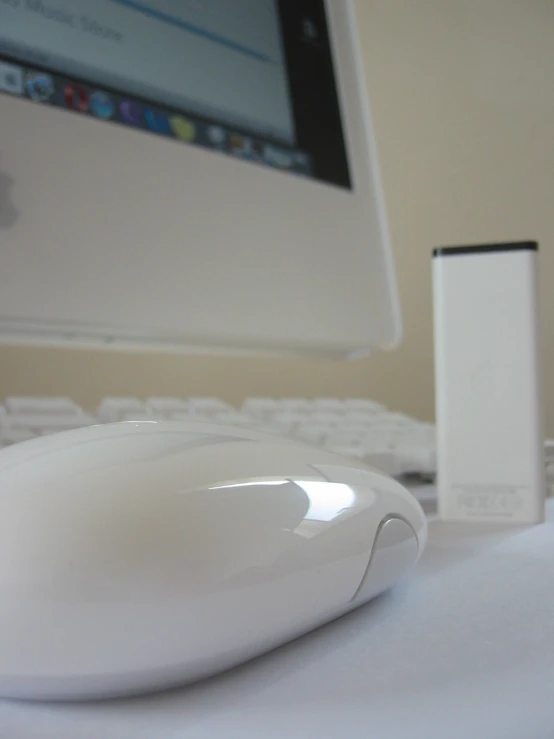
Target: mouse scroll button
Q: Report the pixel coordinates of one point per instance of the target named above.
(394, 553)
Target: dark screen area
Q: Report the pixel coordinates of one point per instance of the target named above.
(313, 88)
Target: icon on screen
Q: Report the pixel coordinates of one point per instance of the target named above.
(11, 79)
(157, 122)
(277, 157)
(217, 136)
(102, 105)
(131, 112)
(302, 162)
(257, 150)
(76, 98)
(183, 129)
(40, 86)
(240, 146)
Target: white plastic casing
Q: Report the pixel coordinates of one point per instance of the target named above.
(490, 432)
(136, 556)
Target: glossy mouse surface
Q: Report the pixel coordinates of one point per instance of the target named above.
(138, 556)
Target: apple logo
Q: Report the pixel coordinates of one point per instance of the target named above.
(8, 211)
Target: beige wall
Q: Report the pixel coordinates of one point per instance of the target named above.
(463, 100)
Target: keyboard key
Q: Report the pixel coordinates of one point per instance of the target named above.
(111, 410)
(259, 407)
(165, 407)
(38, 423)
(288, 421)
(34, 406)
(362, 405)
(330, 405)
(142, 416)
(356, 452)
(207, 406)
(234, 418)
(328, 418)
(189, 417)
(295, 405)
(311, 433)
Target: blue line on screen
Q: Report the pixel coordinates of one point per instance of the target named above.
(192, 28)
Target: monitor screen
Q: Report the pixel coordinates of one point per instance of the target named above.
(252, 79)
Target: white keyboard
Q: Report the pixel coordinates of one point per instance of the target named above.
(393, 442)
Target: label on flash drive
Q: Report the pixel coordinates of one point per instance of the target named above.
(494, 501)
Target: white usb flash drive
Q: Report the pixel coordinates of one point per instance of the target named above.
(489, 407)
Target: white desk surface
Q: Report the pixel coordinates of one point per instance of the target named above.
(464, 648)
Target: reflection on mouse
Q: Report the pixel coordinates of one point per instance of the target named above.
(139, 556)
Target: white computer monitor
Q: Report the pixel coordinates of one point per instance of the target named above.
(190, 174)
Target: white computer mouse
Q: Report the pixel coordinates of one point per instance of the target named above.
(138, 556)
